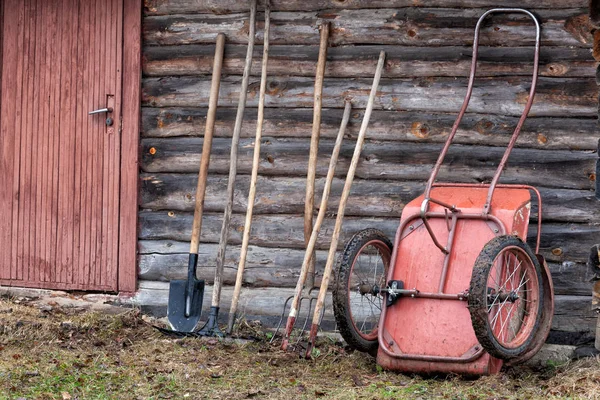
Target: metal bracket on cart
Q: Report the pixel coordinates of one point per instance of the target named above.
(395, 290)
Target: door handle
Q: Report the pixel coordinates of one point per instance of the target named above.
(100, 111)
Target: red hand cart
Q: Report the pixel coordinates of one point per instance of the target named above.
(460, 291)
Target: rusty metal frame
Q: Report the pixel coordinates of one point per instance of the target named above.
(463, 109)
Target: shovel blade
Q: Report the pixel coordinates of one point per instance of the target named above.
(176, 307)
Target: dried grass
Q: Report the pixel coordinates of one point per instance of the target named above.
(54, 354)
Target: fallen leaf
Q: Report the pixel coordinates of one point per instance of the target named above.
(66, 396)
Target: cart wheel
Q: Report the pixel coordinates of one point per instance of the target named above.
(506, 297)
(357, 302)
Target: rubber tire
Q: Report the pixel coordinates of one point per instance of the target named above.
(341, 308)
(478, 294)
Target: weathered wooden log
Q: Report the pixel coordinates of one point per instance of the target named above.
(560, 242)
(499, 95)
(164, 260)
(369, 198)
(403, 26)
(573, 319)
(489, 130)
(357, 61)
(162, 7)
(573, 314)
(382, 160)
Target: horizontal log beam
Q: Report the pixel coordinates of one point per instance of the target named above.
(164, 260)
(484, 129)
(357, 61)
(368, 198)
(409, 26)
(560, 242)
(162, 7)
(574, 314)
(572, 317)
(380, 160)
(502, 95)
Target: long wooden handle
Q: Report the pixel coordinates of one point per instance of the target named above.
(342, 207)
(255, 161)
(207, 144)
(310, 248)
(309, 201)
(233, 160)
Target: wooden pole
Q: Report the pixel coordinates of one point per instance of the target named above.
(342, 207)
(207, 143)
(233, 160)
(310, 248)
(255, 161)
(309, 201)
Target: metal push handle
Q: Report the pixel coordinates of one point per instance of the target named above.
(465, 104)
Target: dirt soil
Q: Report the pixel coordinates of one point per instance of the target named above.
(66, 352)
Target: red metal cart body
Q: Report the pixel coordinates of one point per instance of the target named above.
(434, 334)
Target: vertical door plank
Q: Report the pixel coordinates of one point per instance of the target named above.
(115, 147)
(56, 137)
(18, 146)
(100, 127)
(129, 146)
(25, 220)
(7, 138)
(38, 104)
(99, 159)
(74, 271)
(66, 148)
(84, 265)
(111, 67)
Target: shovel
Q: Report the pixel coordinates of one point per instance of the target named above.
(185, 296)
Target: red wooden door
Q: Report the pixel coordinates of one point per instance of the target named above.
(59, 171)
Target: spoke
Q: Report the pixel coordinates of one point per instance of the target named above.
(507, 318)
(494, 302)
(511, 275)
(362, 327)
(498, 313)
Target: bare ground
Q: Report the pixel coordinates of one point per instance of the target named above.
(61, 352)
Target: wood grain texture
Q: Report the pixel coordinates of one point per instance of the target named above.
(132, 54)
(383, 160)
(428, 58)
(382, 198)
(559, 97)
(573, 318)
(414, 26)
(161, 7)
(420, 127)
(357, 61)
(560, 241)
(163, 260)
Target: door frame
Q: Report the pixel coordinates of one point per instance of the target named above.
(130, 138)
(130, 134)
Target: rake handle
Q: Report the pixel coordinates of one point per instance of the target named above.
(255, 162)
(342, 206)
(310, 248)
(314, 148)
(216, 296)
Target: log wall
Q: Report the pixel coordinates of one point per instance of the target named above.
(428, 59)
